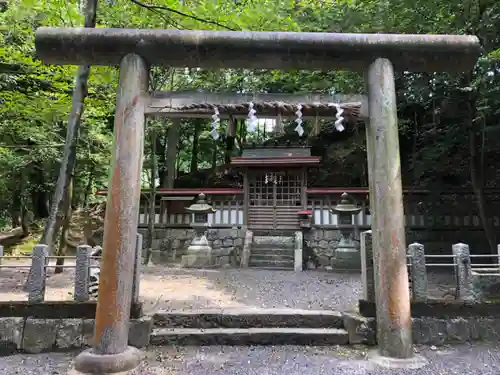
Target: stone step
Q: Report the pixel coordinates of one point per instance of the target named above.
(249, 336)
(274, 232)
(274, 240)
(271, 257)
(270, 263)
(244, 318)
(265, 249)
(270, 247)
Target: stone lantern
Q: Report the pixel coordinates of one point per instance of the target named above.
(199, 253)
(347, 256)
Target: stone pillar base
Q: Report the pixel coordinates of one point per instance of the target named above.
(195, 261)
(198, 255)
(89, 362)
(347, 261)
(414, 362)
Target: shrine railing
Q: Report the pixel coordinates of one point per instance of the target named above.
(423, 210)
(172, 213)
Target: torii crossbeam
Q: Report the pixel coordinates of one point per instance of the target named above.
(135, 50)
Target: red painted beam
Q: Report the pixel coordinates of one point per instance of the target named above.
(169, 191)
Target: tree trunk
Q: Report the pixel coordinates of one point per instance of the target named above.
(171, 155)
(39, 197)
(230, 137)
(88, 187)
(214, 156)
(477, 181)
(15, 210)
(196, 143)
(79, 95)
(152, 199)
(24, 220)
(477, 165)
(61, 251)
(77, 105)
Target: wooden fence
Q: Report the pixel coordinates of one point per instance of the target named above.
(419, 213)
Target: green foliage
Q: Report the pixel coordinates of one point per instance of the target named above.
(434, 108)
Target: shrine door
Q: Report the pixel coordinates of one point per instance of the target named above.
(274, 199)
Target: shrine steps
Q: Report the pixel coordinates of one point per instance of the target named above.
(272, 252)
(249, 327)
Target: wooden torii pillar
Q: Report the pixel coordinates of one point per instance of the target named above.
(133, 50)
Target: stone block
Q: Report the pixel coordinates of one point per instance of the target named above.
(217, 244)
(160, 234)
(331, 235)
(11, 334)
(317, 234)
(178, 234)
(88, 326)
(212, 235)
(238, 242)
(195, 261)
(225, 233)
(39, 335)
(332, 245)
(69, 334)
(156, 244)
(361, 330)
(457, 330)
(227, 242)
(140, 332)
(323, 244)
(176, 244)
(164, 245)
(323, 260)
(224, 260)
(478, 330)
(429, 331)
(488, 329)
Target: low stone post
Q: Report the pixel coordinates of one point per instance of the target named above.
(463, 269)
(137, 269)
(298, 253)
(1, 254)
(367, 275)
(418, 272)
(36, 286)
(82, 269)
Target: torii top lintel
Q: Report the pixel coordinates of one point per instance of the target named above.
(257, 50)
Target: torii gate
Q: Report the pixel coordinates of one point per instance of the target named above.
(135, 50)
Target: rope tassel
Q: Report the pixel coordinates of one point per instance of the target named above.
(215, 124)
(340, 118)
(299, 129)
(252, 119)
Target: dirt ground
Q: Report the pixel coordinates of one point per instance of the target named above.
(170, 288)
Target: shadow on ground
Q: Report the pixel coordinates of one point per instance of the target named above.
(171, 288)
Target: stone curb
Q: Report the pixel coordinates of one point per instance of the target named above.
(31, 335)
(428, 330)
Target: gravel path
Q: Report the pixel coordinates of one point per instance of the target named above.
(269, 360)
(253, 289)
(183, 289)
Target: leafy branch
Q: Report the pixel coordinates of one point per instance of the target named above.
(157, 8)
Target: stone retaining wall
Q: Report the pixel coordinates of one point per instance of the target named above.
(320, 245)
(428, 330)
(32, 335)
(169, 244)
